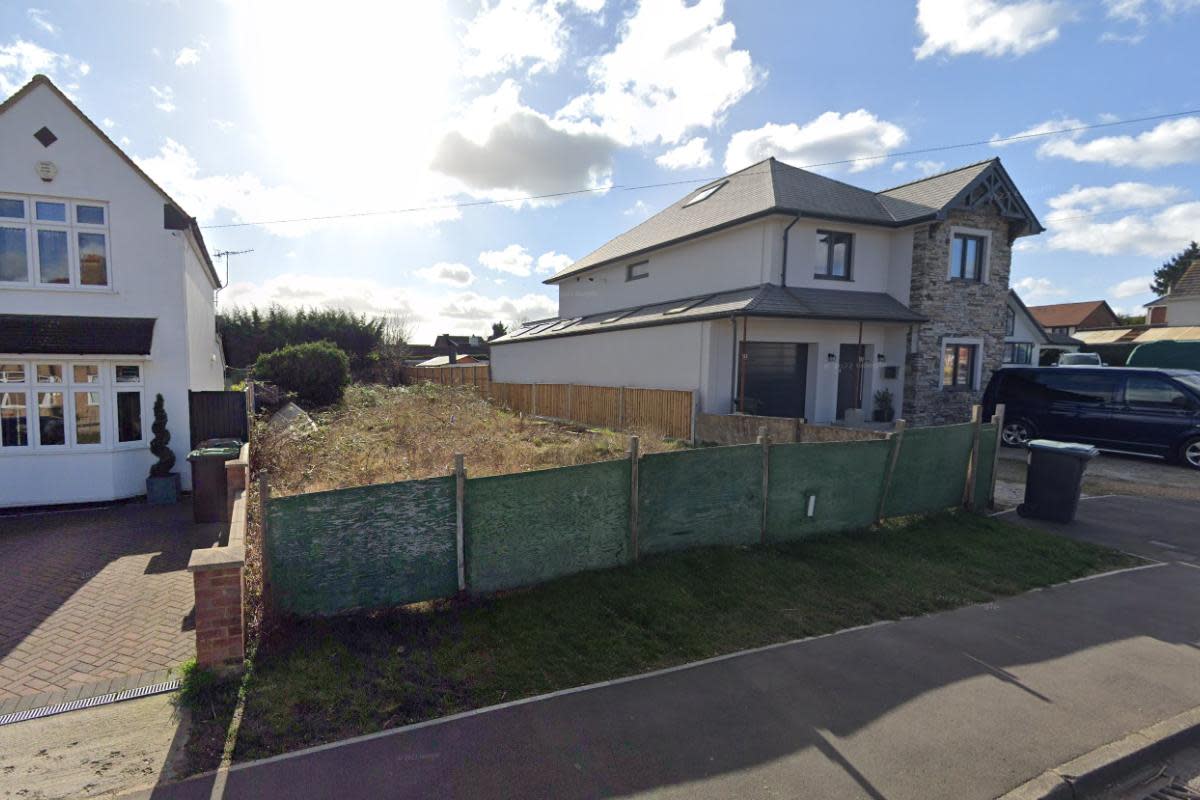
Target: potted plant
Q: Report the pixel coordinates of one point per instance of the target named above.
(162, 487)
(884, 412)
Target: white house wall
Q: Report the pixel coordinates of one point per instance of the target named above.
(881, 259)
(206, 363)
(1181, 311)
(730, 259)
(147, 279)
(1024, 331)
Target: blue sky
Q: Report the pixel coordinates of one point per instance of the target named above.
(254, 112)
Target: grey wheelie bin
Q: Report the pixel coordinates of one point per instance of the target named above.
(1054, 479)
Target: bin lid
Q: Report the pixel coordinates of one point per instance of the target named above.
(223, 449)
(1065, 448)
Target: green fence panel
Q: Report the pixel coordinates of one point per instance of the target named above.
(700, 497)
(931, 470)
(844, 480)
(534, 526)
(367, 547)
(987, 457)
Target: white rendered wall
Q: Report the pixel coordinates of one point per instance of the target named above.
(1024, 331)
(147, 280)
(1183, 312)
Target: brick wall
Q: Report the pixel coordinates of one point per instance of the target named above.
(955, 308)
(219, 622)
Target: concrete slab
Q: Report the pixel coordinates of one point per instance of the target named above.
(965, 704)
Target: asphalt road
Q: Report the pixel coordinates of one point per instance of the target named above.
(964, 704)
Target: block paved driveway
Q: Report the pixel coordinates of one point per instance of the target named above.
(94, 601)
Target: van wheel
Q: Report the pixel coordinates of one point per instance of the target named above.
(1189, 453)
(1016, 433)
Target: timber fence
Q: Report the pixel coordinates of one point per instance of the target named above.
(399, 543)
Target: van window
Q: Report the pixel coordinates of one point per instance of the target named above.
(1145, 391)
(1071, 386)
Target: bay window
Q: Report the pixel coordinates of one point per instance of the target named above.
(49, 243)
(64, 406)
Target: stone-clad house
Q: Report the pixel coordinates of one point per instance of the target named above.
(780, 292)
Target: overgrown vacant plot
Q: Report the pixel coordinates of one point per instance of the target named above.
(320, 680)
(379, 434)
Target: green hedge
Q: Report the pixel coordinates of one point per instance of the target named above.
(315, 372)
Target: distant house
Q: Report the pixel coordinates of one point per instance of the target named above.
(779, 291)
(452, 346)
(1180, 306)
(1067, 318)
(106, 300)
(444, 361)
(1025, 339)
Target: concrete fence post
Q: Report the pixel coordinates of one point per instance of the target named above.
(764, 441)
(897, 439)
(460, 496)
(968, 499)
(633, 496)
(998, 421)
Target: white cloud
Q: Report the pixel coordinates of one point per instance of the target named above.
(1111, 37)
(927, 168)
(448, 273)
(1139, 10)
(164, 98)
(223, 125)
(673, 70)
(507, 34)
(21, 60)
(551, 262)
(514, 259)
(1038, 131)
(1075, 225)
(109, 123)
(1038, 290)
(1131, 287)
(989, 27)
(899, 166)
(504, 149)
(432, 311)
(187, 56)
(692, 154)
(1175, 141)
(829, 137)
(38, 16)
(638, 209)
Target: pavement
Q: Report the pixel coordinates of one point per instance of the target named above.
(95, 601)
(965, 704)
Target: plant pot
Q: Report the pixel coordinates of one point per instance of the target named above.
(883, 415)
(163, 491)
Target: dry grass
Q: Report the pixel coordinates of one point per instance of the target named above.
(381, 434)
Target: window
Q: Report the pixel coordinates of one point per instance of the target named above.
(1071, 386)
(1018, 352)
(966, 256)
(1155, 393)
(958, 366)
(53, 243)
(56, 406)
(835, 251)
(1010, 322)
(635, 272)
(703, 194)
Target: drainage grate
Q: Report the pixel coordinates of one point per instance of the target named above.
(99, 700)
(1175, 791)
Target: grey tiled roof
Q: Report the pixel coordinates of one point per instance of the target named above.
(1188, 283)
(771, 186)
(43, 334)
(766, 300)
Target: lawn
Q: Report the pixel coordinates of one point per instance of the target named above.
(379, 434)
(317, 681)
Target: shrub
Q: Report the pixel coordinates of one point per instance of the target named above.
(158, 445)
(315, 372)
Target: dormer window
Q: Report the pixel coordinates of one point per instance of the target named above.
(635, 272)
(704, 194)
(835, 253)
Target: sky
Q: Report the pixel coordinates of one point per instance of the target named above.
(390, 129)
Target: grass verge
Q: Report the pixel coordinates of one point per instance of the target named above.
(322, 680)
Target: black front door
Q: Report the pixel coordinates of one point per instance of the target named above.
(775, 378)
(849, 395)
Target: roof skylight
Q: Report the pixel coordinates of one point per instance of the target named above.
(704, 194)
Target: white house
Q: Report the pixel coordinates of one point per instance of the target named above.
(1025, 338)
(1181, 305)
(106, 299)
(782, 292)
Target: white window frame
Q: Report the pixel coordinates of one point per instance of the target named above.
(72, 228)
(107, 387)
(977, 375)
(986, 264)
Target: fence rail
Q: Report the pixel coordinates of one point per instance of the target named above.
(389, 544)
(668, 412)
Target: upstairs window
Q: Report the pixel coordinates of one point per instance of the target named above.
(703, 194)
(1010, 322)
(53, 243)
(635, 272)
(835, 252)
(966, 256)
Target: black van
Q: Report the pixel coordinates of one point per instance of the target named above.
(1122, 409)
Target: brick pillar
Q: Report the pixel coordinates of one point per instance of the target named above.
(220, 626)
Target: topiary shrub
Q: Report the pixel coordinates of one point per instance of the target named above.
(158, 445)
(315, 372)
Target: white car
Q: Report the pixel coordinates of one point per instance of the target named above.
(1080, 360)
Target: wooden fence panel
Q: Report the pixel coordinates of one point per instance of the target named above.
(598, 406)
(665, 411)
(553, 400)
